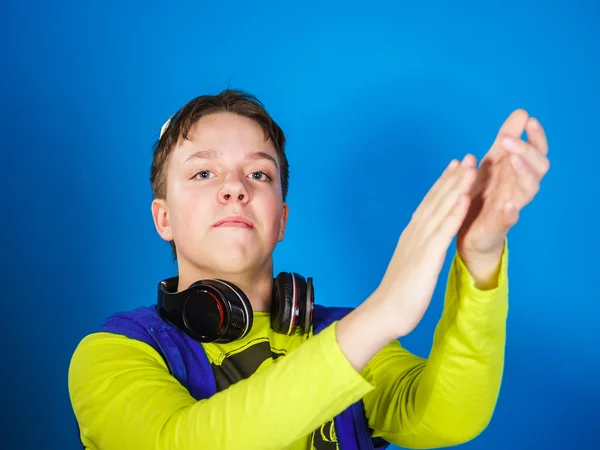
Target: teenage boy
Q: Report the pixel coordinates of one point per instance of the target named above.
(287, 376)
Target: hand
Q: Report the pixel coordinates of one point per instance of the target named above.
(507, 180)
(410, 279)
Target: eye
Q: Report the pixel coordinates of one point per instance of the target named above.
(260, 176)
(203, 174)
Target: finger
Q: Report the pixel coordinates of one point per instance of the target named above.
(457, 182)
(515, 123)
(447, 173)
(513, 126)
(527, 179)
(503, 215)
(470, 161)
(537, 136)
(439, 211)
(535, 159)
(451, 223)
(447, 178)
(461, 184)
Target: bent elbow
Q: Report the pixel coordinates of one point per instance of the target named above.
(466, 431)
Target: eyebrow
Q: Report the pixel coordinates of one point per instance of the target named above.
(262, 155)
(211, 153)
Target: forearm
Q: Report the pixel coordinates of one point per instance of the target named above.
(461, 380)
(360, 334)
(448, 398)
(125, 398)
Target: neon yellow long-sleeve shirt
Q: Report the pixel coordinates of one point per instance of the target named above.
(279, 392)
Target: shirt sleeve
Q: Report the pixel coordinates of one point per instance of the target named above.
(124, 397)
(449, 398)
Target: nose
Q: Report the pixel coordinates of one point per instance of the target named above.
(234, 190)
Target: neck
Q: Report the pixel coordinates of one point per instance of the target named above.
(257, 284)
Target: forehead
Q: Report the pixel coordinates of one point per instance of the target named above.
(229, 131)
(224, 136)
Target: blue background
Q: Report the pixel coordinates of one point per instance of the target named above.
(375, 98)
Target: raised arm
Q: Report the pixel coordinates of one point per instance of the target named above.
(448, 398)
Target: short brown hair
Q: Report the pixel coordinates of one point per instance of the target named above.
(179, 126)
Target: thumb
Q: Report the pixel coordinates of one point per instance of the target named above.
(510, 215)
(513, 126)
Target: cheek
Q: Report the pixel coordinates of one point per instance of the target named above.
(190, 211)
(272, 209)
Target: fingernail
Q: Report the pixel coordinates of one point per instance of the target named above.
(534, 123)
(509, 143)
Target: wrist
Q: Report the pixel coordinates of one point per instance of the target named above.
(483, 267)
(365, 331)
(391, 313)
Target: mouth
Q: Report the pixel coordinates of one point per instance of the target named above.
(234, 222)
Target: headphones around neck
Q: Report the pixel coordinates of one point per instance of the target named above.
(216, 310)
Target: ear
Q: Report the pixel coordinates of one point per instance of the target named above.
(160, 214)
(283, 222)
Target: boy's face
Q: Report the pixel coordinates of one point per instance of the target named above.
(226, 169)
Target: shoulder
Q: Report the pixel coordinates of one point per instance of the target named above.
(122, 335)
(101, 348)
(142, 324)
(145, 316)
(102, 358)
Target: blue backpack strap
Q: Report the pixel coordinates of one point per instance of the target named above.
(323, 316)
(353, 431)
(141, 324)
(191, 369)
(364, 431)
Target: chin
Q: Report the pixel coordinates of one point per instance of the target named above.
(226, 262)
(234, 266)
(220, 258)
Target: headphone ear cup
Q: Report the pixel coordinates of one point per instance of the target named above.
(282, 305)
(237, 318)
